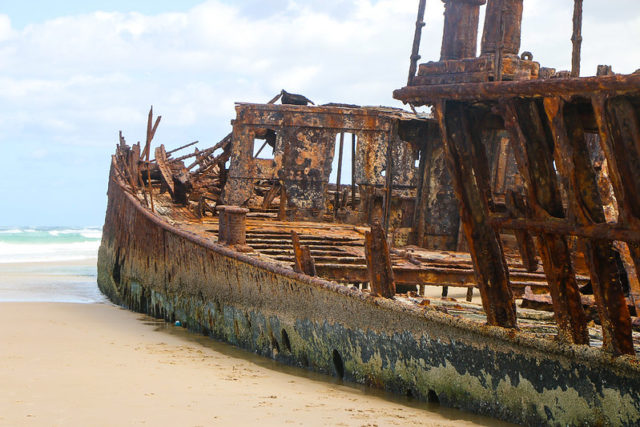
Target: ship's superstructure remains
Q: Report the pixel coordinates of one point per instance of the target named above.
(521, 184)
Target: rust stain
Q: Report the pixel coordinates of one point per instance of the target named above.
(523, 183)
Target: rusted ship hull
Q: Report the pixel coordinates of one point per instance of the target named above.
(151, 266)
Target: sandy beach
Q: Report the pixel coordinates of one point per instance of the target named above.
(97, 364)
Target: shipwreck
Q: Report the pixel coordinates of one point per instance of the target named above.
(518, 194)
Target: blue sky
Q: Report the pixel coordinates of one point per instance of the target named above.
(74, 73)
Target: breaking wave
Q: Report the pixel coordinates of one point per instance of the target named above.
(47, 244)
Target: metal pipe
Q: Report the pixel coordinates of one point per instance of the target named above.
(183, 147)
(353, 171)
(389, 177)
(415, 56)
(576, 38)
(337, 201)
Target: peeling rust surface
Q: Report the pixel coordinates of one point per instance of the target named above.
(523, 184)
(582, 220)
(148, 265)
(303, 152)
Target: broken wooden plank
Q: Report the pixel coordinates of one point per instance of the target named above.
(165, 171)
(271, 194)
(134, 164)
(151, 131)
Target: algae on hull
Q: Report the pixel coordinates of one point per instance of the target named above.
(477, 368)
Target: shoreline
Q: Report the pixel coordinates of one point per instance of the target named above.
(98, 363)
(71, 281)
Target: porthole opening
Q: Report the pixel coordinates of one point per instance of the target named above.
(338, 364)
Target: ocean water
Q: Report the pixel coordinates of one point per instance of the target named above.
(49, 264)
(58, 265)
(48, 244)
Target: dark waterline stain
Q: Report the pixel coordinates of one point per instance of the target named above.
(432, 406)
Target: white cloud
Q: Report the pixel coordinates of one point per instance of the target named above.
(6, 32)
(90, 71)
(72, 82)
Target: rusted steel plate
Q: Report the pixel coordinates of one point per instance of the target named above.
(494, 91)
(517, 208)
(573, 161)
(468, 172)
(329, 117)
(304, 263)
(535, 162)
(379, 262)
(619, 130)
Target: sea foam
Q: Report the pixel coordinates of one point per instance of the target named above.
(48, 244)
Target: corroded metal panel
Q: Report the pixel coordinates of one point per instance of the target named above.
(303, 152)
(328, 117)
(549, 117)
(306, 161)
(176, 275)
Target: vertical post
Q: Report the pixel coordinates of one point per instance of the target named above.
(234, 226)
(517, 209)
(619, 128)
(222, 224)
(282, 210)
(337, 200)
(535, 161)
(353, 171)
(304, 263)
(379, 261)
(502, 31)
(134, 167)
(460, 34)
(498, 60)
(502, 27)
(389, 177)
(151, 131)
(576, 38)
(415, 56)
(418, 215)
(422, 199)
(573, 160)
(489, 263)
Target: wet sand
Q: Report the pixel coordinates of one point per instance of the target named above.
(97, 364)
(54, 281)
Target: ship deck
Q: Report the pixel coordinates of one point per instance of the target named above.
(431, 279)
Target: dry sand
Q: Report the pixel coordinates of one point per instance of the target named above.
(96, 364)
